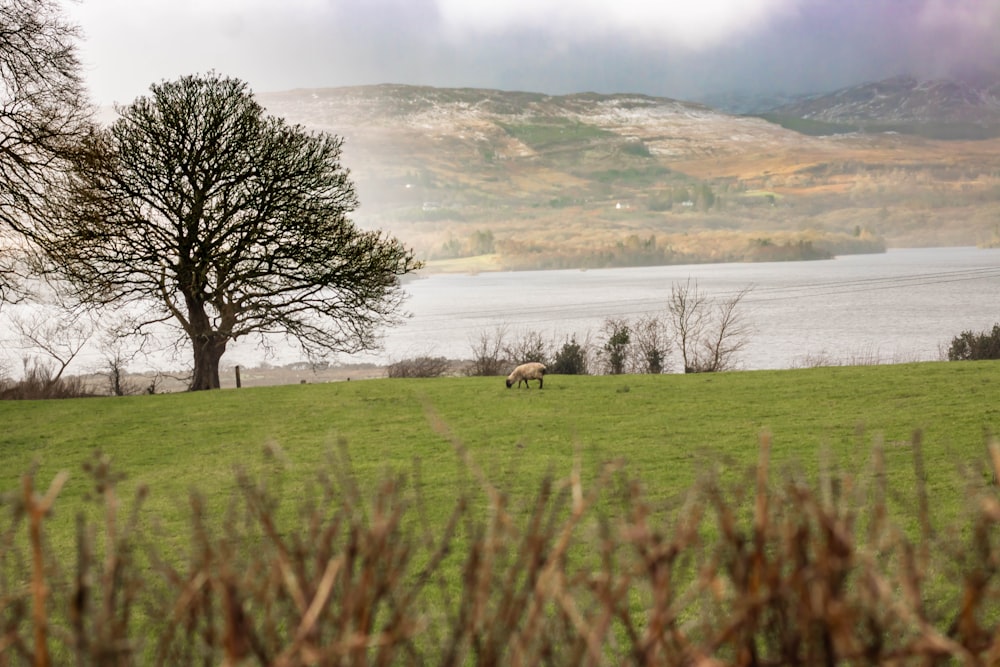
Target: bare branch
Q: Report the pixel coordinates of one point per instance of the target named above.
(488, 353)
(707, 344)
(58, 335)
(731, 334)
(43, 112)
(686, 310)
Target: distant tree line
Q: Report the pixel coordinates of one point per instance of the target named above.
(695, 334)
(700, 333)
(652, 249)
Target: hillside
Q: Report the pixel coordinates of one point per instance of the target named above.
(523, 180)
(938, 109)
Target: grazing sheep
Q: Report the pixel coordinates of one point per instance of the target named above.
(529, 371)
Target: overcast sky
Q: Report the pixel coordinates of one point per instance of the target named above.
(675, 48)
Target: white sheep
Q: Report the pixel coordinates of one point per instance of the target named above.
(529, 371)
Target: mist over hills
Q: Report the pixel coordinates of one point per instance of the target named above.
(940, 109)
(480, 179)
(974, 96)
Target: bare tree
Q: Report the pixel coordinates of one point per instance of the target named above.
(709, 335)
(43, 113)
(488, 357)
(527, 346)
(730, 334)
(686, 310)
(226, 223)
(116, 358)
(58, 334)
(418, 367)
(650, 340)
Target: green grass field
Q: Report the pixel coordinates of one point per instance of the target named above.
(667, 430)
(407, 549)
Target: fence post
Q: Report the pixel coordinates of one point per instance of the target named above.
(238, 382)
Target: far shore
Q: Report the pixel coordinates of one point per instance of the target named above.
(164, 382)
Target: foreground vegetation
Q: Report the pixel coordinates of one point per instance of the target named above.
(602, 519)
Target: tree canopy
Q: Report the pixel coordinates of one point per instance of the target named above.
(43, 112)
(226, 222)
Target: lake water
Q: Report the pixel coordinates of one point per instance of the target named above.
(904, 305)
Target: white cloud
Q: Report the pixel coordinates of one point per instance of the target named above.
(665, 47)
(129, 44)
(695, 24)
(975, 16)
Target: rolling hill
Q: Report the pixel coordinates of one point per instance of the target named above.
(938, 109)
(524, 180)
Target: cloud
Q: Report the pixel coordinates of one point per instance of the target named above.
(671, 48)
(693, 25)
(965, 16)
(958, 36)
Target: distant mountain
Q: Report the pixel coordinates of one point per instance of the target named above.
(942, 109)
(529, 180)
(748, 104)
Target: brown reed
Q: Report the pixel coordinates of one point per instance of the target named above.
(791, 572)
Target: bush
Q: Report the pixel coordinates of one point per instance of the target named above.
(488, 355)
(40, 382)
(970, 346)
(651, 345)
(418, 367)
(571, 359)
(617, 348)
(498, 352)
(528, 346)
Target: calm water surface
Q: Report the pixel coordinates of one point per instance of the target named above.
(904, 305)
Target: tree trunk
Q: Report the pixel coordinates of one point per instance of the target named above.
(208, 351)
(207, 342)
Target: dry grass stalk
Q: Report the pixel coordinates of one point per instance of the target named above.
(586, 574)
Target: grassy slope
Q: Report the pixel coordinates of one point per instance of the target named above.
(667, 428)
